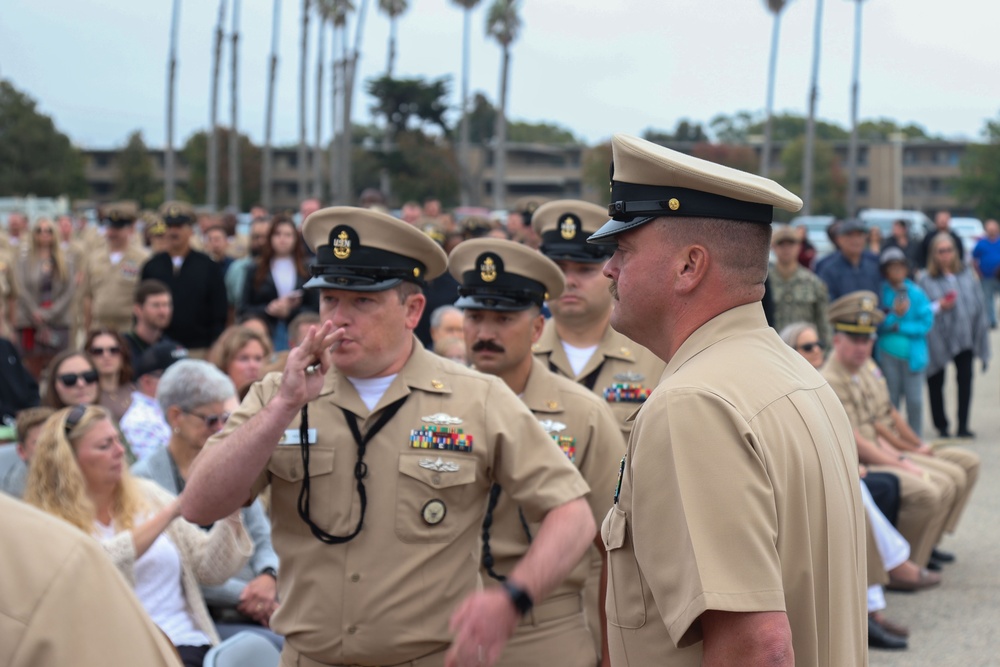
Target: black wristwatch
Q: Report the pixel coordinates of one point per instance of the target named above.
(269, 570)
(522, 601)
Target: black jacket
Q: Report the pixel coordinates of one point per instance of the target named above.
(199, 293)
(18, 390)
(255, 299)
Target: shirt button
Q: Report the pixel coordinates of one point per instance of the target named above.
(351, 630)
(436, 478)
(355, 578)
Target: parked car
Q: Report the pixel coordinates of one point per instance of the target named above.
(970, 230)
(883, 218)
(816, 226)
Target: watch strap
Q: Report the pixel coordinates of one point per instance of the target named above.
(518, 596)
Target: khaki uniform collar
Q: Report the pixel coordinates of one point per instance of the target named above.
(540, 393)
(724, 325)
(613, 345)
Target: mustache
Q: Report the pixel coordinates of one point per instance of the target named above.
(486, 346)
(613, 288)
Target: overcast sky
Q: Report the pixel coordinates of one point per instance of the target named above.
(594, 66)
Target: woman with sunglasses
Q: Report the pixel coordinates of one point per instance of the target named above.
(71, 379)
(803, 337)
(45, 279)
(78, 473)
(960, 332)
(111, 357)
(196, 399)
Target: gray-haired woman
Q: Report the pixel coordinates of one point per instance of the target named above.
(197, 398)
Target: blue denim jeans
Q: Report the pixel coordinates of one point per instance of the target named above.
(904, 383)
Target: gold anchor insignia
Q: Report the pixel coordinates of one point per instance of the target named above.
(673, 204)
(864, 319)
(437, 384)
(173, 212)
(342, 246)
(867, 304)
(567, 227)
(488, 270)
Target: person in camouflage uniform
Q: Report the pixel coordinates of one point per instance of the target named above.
(799, 295)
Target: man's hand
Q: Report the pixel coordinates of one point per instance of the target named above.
(259, 599)
(299, 384)
(911, 467)
(925, 449)
(482, 624)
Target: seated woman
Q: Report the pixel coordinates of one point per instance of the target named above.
(78, 473)
(71, 379)
(196, 399)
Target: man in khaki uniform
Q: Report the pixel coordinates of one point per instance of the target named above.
(111, 272)
(578, 340)
(738, 533)
(379, 540)
(933, 489)
(8, 294)
(64, 603)
(503, 287)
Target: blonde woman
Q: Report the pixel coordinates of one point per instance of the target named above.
(79, 474)
(241, 353)
(46, 280)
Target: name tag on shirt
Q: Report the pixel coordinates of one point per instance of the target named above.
(291, 437)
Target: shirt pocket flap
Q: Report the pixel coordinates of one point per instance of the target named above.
(614, 536)
(438, 472)
(286, 464)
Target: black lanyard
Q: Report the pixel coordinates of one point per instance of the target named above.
(487, 558)
(360, 468)
(589, 381)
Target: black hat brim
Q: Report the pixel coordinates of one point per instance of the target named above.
(606, 234)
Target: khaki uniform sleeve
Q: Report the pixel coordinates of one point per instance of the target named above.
(600, 462)
(537, 475)
(717, 549)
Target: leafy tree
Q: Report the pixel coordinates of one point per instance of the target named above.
(829, 183)
(738, 127)
(979, 182)
(540, 133)
(195, 154)
(35, 157)
(135, 178)
(686, 131)
(420, 166)
(482, 120)
(881, 129)
(597, 171)
(403, 100)
(736, 156)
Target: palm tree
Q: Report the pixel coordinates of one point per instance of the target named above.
(852, 151)
(350, 68)
(504, 25)
(303, 56)
(392, 9)
(463, 145)
(807, 164)
(212, 185)
(338, 18)
(234, 133)
(775, 7)
(266, 164)
(169, 168)
(324, 11)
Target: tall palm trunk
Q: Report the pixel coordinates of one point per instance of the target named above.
(317, 156)
(334, 168)
(267, 163)
(852, 150)
(500, 152)
(465, 179)
(169, 167)
(776, 7)
(234, 131)
(212, 169)
(350, 68)
(303, 172)
(807, 166)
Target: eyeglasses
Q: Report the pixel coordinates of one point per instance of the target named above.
(809, 347)
(98, 351)
(74, 417)
(71, 379)
(211, 421)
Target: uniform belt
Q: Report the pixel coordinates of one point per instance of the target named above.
(551, 610)
(296, 659)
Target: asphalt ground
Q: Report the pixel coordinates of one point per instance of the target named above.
(958, 622)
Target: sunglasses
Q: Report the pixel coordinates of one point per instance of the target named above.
(809, 347)
(98, 351)
(211, 421)
(70, 379)
(74, 417)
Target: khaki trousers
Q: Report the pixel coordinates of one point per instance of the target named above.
(968, 462)
(925, 502)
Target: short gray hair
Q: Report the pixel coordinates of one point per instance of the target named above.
(438, 315)
(192, 383)
(790, 334)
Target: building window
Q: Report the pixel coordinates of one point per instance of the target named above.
(862, 186)
(862, 156)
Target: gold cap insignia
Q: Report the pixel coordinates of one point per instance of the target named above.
(673, 204)
(488, 270)
(342, 246)
(864, 319)
(867, 304)
(568, 226)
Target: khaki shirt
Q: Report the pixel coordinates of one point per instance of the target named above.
(584, 429)
(801, 298)
(8, 292)
(856, 395)
(63, 602)
(739, 493)
(386, 597)
(625, 371)
(111, 287)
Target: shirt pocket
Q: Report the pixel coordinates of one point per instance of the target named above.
(436, 497)
(287, 473)
(625, 603)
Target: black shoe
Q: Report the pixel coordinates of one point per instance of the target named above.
(879, 637)
(935, 565)
(943, 433)
(942, 556)
(966, 433)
